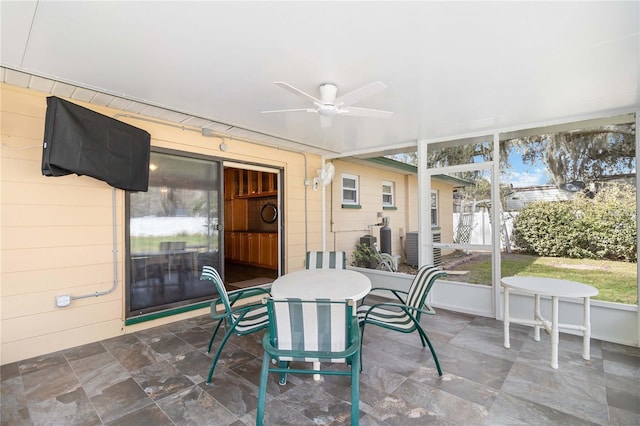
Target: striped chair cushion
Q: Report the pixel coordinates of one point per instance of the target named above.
(326, 260)
(310, 326)
(386, 316)
(257, 317)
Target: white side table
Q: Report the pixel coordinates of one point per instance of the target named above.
(555, 289)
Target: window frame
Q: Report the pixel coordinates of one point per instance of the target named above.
(391, 193)
(434, 200)
(356, 190)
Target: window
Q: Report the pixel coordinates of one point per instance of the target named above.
(387, 194)
(172, 231)
(350, 189)
(434, 208)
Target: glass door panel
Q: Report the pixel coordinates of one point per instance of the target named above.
(172, 232)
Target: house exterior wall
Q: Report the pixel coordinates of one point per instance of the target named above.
(345, 225)
(57, 233)
(445, 207)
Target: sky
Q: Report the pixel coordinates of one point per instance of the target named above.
(522, 175)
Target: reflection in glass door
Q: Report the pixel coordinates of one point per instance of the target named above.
(172, 232)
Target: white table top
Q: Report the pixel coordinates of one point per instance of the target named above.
(322, 283)
(549, 286)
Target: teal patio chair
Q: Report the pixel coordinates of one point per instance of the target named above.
(248, 317)
(404, 314)
(320, 330)
(326, 260)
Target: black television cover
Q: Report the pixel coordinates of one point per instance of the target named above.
(81, 141)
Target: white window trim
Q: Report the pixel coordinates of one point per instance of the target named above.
(391, 193)
(356, 190)
(431, 208)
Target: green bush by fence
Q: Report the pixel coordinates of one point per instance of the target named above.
(600, 228)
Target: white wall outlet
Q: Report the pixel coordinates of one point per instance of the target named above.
(62, 301)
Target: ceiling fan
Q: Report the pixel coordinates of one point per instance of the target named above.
(328, 105)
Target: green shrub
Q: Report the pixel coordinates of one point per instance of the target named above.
(364, 256)
(600, 228)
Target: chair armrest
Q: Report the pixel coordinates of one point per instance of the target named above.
(402, 306)
(396, 293)
(245, 293)
(428, 309)
(243, 309)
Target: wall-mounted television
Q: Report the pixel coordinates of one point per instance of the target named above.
(81, 141)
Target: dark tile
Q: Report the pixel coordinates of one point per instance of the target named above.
(48, 383)
(583, 397)
(194, 365)
(161, 379)
(483, 383)
(618, 417)
(84, 351)
(458, 386)
(236, 394)
(168, 346)
(429, 405)
(42, 362)
(120, 399)
(624, 400)
(134, 356)
(251, 370)
(312, 402)
(194, 406)
(278, 412)
(149, 415)
(98, 372)
(71, 408)
(475, 366)
(120, 341)
(9, 371)
(13, 404)
(622, 363)
(196, 336)
(511, 410)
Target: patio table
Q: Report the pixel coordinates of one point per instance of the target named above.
(554, 288)
(322, 283)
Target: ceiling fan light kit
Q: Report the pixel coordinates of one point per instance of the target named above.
(328, 105)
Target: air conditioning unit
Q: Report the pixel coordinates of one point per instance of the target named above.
(412, 248)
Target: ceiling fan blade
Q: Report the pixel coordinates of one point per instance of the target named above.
(290, 110)
(326, 120)
(365, 112)
(359, 94)
(297, 92)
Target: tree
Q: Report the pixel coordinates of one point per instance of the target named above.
(583, 155)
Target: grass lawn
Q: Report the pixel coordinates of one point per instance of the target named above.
(616, 281)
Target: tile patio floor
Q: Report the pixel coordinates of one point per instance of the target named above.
(156, 377)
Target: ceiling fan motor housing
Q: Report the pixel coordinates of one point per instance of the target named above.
(328, 92)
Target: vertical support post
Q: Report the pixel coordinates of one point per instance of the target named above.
(555, 333)
(586, 343)
(505, 320)
(425, 243)
(537, 317)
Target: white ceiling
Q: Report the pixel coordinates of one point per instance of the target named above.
(452, 68)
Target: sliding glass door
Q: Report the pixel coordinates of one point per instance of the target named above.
(172, 231)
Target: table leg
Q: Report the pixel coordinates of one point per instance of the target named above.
(536, 317)
(505, 320)
(316, 366)
(555, 333)
(586, 344)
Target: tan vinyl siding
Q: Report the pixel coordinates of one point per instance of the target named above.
(345, 226)
(57, 232)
